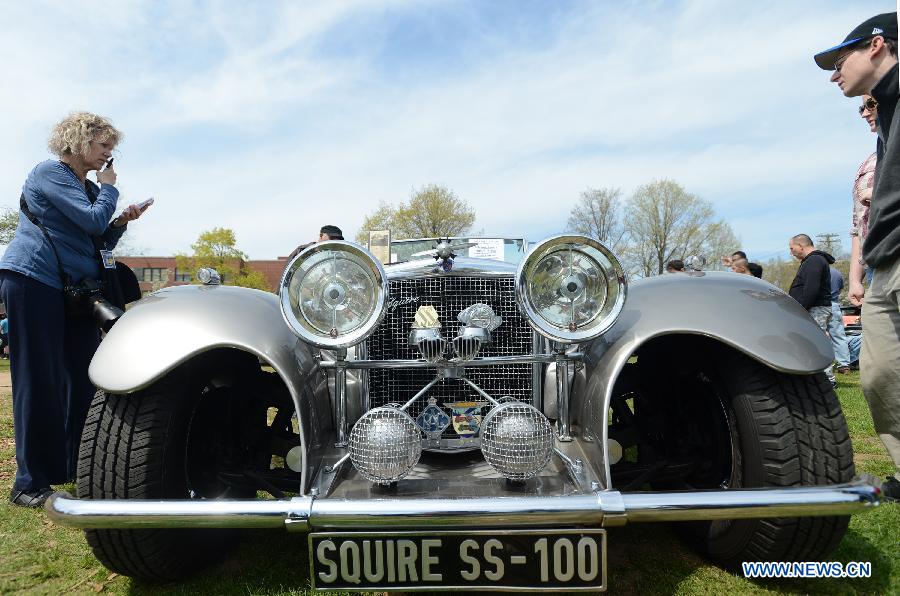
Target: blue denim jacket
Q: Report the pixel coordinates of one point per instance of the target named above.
(58, 199)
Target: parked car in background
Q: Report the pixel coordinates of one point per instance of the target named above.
(450, 422)
(852, 319)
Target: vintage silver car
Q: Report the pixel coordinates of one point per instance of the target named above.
(460, 423)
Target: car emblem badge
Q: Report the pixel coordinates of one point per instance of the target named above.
(433, 419)
(466, 417)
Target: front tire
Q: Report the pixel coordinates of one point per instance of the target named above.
(150, 445)
(787, 430)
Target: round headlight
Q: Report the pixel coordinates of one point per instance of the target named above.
(333, 294)
(571, 288)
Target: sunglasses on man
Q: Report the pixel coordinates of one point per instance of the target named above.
(868, 104)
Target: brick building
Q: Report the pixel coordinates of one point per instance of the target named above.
(154, 273)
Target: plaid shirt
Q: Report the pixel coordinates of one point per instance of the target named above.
(865, 179)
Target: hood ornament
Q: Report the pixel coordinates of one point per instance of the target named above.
(443, 252)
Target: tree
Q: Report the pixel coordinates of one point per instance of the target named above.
(433, 211)
(780, 272)
(217, 249)
(9, 220)
(598, 215)
(381, 219)
(665, 222)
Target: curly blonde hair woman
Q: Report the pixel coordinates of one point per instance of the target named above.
(65, 222)
(73, 135)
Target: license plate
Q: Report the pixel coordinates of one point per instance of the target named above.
(550, 560)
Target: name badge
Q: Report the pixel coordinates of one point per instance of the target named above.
(109, 261)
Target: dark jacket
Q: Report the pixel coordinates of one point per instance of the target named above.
(812, 286)
(882, 245)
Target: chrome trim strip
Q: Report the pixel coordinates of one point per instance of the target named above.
(63, 509)
(601, 508)
(751, 503)
(486, 361)
(509, 512)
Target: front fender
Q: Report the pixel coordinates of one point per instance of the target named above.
(740, 311)
(170, 326)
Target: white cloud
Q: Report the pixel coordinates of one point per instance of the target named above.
(724, 98)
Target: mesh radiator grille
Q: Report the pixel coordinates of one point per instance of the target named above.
(449, 295)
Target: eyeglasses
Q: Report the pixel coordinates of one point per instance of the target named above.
(839, 63)
(868, 104)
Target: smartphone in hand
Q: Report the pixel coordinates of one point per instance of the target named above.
(145, 204)
(107, 164)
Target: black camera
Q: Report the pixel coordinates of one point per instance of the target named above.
(86, 298)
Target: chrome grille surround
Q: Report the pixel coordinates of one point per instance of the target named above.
(450, 294)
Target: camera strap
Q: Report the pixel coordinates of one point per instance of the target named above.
(63, 276)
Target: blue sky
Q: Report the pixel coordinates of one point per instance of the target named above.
(273, 118)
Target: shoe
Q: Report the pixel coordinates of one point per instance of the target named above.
(844, 370)
(890, 489)
(32, 499)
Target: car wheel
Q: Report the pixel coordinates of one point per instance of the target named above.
(786, 430)
(159, 443)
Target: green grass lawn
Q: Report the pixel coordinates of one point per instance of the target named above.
(37, 556)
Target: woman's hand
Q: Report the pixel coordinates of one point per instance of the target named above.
(107, 176)
(131, 213)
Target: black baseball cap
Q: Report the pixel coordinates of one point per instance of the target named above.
(884, 25)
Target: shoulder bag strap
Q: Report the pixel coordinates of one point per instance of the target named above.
(63, 276)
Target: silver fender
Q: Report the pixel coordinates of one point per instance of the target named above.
(173, 325)
(745, 313)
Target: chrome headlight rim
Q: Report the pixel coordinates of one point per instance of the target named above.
(303, 328)
(609, 313)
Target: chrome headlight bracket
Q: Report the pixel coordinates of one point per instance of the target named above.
(571, 288)
(333, 294)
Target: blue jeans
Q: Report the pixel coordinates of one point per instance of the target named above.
(838, 339)
(854, 343)
(822, 315)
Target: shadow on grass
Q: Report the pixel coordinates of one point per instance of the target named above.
(265, 562)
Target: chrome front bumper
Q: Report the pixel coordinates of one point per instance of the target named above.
(606, 508)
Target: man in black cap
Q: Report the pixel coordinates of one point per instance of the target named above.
(866, 63)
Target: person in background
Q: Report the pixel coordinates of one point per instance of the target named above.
(330, 233)
(325, 233)
(836, 323)
(755, 269)
(738, 254)
(865, 63)
(812, 284)
(740, 265)
(675, 266)
(50, 349)
(862, 198)
(4, 336)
